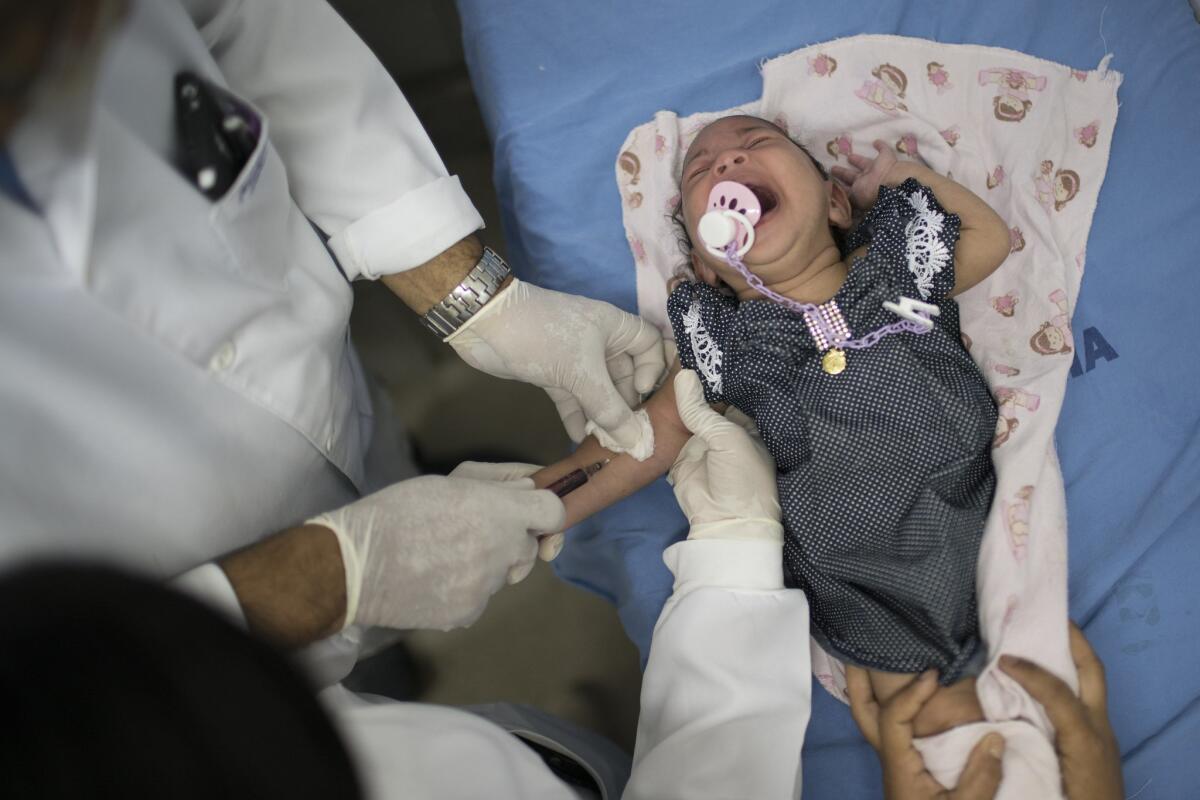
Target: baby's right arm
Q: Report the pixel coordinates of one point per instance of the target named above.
(623, 475)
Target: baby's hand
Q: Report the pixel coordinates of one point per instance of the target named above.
(865, 175)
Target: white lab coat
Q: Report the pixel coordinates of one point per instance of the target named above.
(176, 380)
(725, 702)
(176, 377)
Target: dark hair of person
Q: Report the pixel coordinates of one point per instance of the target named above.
(681, 233)
(115, 687)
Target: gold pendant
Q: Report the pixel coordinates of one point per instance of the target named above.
(834, 361)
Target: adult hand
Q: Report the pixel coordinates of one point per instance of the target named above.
(431, 551)
(888, 727)
(1088, 756)
(594, 360)
(724, 478)
(549, 546)
(865, 175)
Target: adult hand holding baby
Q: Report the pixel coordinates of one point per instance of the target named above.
(1088, 756)
(888, 727)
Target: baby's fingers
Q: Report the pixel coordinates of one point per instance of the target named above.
(860, 161)
(846, 176)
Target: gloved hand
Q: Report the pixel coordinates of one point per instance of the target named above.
(431, 551)
(548, 546)
(593, 359)
(724, 478)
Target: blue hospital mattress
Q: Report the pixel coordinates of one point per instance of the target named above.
(562, 83)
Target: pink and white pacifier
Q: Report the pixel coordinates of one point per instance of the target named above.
(733, 211)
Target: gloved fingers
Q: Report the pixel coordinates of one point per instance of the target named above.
(695, 412)
(758, 447)
(507, 472)
(627, 333)
(550, 546)
(520, 570)
(691, 456)
(604, 406)
(649, 359)
(620, 370)
(541, 511)
(570, 412)
(735, 415)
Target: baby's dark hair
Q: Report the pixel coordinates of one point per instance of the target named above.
(685, 241)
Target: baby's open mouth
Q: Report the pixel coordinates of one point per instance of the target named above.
(767, 200)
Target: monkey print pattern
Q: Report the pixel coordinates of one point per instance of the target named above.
(1012, 101)
(886, 91)
(1054, 336)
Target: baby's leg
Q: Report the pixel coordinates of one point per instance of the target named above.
(950, 706)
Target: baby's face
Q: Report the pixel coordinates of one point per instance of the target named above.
(793, 195)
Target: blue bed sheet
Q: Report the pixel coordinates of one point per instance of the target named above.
(562, 83)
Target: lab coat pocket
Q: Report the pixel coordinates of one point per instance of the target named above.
(252, 218)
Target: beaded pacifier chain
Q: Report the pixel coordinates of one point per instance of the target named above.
(732, 206)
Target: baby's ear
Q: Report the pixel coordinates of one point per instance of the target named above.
(840, 211)
(703, 271)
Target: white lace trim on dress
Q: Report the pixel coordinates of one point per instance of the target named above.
(704, 349)
(926, 252)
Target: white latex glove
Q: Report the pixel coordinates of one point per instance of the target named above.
(431, 551)
(724, 478)
(548, 546)
(594, 360)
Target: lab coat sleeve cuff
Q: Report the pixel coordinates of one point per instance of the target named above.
(209, 584)
(410, 231)
(726, 563)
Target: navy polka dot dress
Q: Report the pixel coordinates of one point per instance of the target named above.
(885, 472)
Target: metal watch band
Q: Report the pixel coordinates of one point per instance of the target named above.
(465, 300)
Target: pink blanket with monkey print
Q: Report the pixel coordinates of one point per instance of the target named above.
(1032, 138)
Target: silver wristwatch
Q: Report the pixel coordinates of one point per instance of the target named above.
(465, 300)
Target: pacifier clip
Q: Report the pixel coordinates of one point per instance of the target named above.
(727, 230)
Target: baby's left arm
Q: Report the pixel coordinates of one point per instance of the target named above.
(983, 241)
